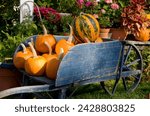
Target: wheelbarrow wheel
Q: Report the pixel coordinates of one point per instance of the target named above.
(110, 86)
(132, 67)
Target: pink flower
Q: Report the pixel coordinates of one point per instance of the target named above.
(95, 15)
(108, 1)
(103, 11)
(88, 3)
(80, 3)
(114, 6)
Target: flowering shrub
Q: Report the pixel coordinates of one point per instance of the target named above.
(48, 13)
(106, 11)
(88, 6)
(109, 13)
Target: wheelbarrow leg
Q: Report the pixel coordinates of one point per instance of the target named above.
(62, 93)
(25, 82)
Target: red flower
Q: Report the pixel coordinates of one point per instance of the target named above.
(48, 13)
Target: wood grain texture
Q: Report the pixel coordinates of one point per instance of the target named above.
(88, 61)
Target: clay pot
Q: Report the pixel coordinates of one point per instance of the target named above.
(9, 79)
(104, 30)
(118, 33)
(104, 33)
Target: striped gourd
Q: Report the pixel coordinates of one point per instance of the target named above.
(85, 27)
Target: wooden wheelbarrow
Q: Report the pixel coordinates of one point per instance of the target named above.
(87, 64)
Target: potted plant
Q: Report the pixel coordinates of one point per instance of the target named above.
(105, 25)
(108, 15)
(135, 20)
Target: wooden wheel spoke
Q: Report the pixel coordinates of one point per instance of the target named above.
(133, 62)
(127, 54)
(113, 87)
(124, 84)
(136, 77)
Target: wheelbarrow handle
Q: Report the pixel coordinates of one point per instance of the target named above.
(25, 89)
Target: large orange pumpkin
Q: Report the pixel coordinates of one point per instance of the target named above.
(86, 26)
(36, 64)
(40, 41)
(65, 44)
(21, 56)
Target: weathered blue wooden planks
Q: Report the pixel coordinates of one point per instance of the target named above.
(88, 61)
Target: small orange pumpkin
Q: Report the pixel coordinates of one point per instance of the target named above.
(21, 56)
(53, 65)
(65, 44)
(143, 35)
(148, 16)
(39, 43)
(36, 64)
(50, 55)
(99, 40)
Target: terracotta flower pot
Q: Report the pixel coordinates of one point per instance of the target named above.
(104, 30)
(118, 33)
(104, 33)
(9, 79)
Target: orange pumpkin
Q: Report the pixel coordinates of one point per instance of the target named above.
(65, 44)
(40, 41)
(50, 55)
(148, 16)
(36, 64)
(99, 40)
(21, 56)
(143, 35)
(53, 65)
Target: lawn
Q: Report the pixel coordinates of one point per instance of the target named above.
(94, 91)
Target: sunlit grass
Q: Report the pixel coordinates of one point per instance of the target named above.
(94, 91)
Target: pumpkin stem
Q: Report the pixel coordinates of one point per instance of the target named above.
(82, 13)
(33, 50)
(49, 47)
(24, 48)
(60, 56)
(44, 29)
(70, 36)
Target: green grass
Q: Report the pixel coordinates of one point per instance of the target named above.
(94, 91)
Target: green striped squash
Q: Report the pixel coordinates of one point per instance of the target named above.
(85, 27)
